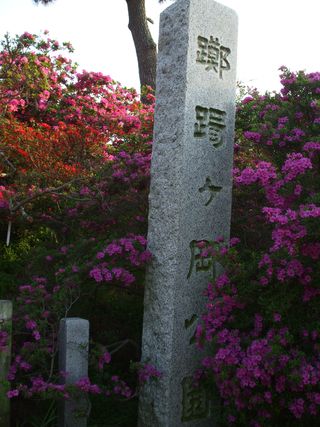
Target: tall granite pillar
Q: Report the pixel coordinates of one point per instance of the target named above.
(190, 199)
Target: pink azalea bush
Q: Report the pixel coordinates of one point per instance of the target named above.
(75, 158)
(262, 315)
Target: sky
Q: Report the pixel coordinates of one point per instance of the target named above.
(272, 33)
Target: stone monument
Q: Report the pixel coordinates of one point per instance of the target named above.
(73, 360)
(190, 200)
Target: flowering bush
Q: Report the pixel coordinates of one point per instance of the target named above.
(58, 125)
(75, 152)
(262, 316)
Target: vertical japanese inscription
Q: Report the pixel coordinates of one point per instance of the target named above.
(213, 55)
(201, 258)
(211, 122)
(195, 404)
(188, 323)
(211, 188)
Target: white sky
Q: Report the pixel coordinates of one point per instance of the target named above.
(271, 33)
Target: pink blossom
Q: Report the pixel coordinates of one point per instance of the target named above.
(104, 359)
(12, 393)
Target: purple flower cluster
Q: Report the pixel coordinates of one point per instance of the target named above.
(4, 337)
(261, 318)
(131, 249)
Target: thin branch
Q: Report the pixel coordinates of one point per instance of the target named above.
(122, 344)
(41, 193)
(11, 165)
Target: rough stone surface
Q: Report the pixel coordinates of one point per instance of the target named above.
(190, 199)
(73, 359)
(5, 357)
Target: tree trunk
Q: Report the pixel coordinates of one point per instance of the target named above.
(146, 48)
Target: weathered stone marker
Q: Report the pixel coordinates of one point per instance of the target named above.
(73, 359)
(190, 199)
(5, 359)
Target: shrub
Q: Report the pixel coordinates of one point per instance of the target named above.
(75, 152)
(262, 316)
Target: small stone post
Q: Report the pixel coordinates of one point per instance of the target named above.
(5, 359)
(73, 359)
(190, 201)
